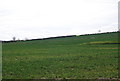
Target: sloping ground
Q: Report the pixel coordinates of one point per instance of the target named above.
(79, 57)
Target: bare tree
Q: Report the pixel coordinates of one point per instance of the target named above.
(18, 39)
(14, 38)
(26, 39)
(99, 30)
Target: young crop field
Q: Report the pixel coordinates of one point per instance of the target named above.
(79, 57)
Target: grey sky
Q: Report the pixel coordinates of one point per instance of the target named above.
(46, 18)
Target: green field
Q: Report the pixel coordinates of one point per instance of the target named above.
(0, 60)
(80, 57)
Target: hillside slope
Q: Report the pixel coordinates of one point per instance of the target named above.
(80, 57)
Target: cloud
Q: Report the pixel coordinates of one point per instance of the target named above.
(46, 18)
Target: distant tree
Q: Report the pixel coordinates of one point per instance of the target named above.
(26, 38)
(14, 38)
(99, 30)
(18, 39)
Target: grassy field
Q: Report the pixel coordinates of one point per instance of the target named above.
(80, 57)
(0, 60)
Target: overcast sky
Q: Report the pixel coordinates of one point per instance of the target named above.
(47, 18)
